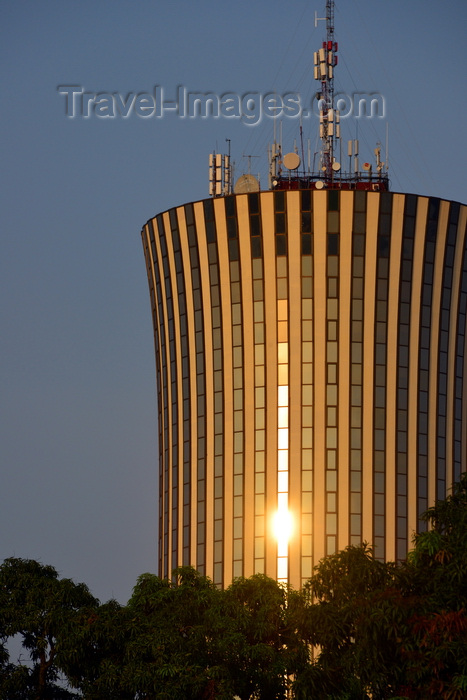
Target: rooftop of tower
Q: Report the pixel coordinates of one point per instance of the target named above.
(296, 170)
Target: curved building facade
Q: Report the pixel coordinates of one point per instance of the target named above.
(311, 375)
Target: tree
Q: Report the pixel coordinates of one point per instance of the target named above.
(351, 622)
(360, 628)
(261, 647)
(42, 609)
(392, 631)
(436, 642)
(99, 640)
(169, 632)
(186, 640)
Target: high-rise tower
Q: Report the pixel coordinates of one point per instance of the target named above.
(311, 366)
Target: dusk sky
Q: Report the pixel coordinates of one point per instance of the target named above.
(78, 443)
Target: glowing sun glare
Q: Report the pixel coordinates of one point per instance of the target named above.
(283, 526)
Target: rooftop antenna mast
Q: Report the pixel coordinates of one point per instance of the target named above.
(324, 61)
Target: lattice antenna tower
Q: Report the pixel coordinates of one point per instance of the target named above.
(325, 59)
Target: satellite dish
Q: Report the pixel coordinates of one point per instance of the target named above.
(366, 166)
(245, 184)
(291, 161)
(336, 166)
(319, 184)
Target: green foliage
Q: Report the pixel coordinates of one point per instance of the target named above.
(435, 646)
(191, 640)
(352, 616)
(440, 554)
(171, 623)
(260, 647)
(392, 632)
(359, 629)
(43, 610)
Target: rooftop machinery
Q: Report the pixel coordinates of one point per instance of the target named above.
(289, 171)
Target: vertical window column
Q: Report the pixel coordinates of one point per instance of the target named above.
(216, 324)
(405, 293)
(283, 516)
(170, 371)
(282, 433)
(173, 389)
(381, 331)
(260, 415)
(237, 350)
(332, 371)
(424, 363)
(200, 392)
(307, 418)
(356, 368)
(162, 398)
(444, 350)
(307, 387)
(254, 211)
(459, 380)
(184, 411)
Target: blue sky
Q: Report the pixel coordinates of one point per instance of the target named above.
(78, 443)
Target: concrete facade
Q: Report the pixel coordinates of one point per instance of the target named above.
(310, 361)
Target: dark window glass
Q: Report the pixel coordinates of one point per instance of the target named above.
(189, 214)
(454, 213)
(210, 231)
(306, 221)
(208, 209)
(281, 245)
(256, 247)
(428, 272)
(279, 200)
(359, 222)
(333, 222)
(424, 380)
(230, 206)
(232, 228)
(280, 223)
(411, 204)
(333, 200)
(380, 354)
(408, 248)
(358, 244)
(360, 201)
(233, 249)
(306, 244)
(333, 242)
(408, 228)
(386, 202)
(382, 290)
(255, 229)
(173, 219)
(431, 230)
(407, 270)
(306, 200)
(383, 268)
(383, 246)
(381, 309)
(253, 201)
